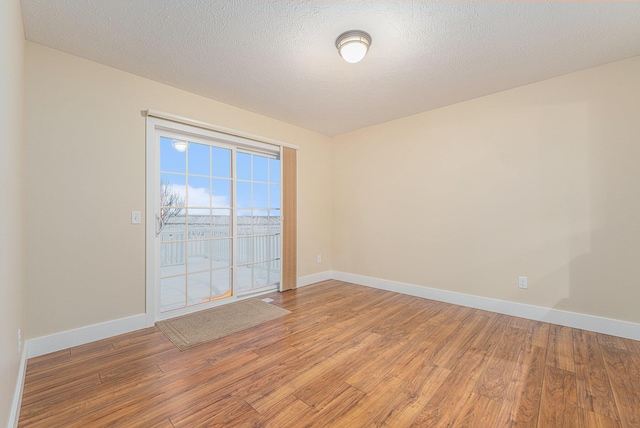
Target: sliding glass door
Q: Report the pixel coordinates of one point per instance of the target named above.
(217, 220)
(195, 223)
(258, 220)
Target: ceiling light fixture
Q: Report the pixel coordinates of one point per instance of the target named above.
(180, 146)
(353, 45)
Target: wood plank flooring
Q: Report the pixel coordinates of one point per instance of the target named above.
(347, 356)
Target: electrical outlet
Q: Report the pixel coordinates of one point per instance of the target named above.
(319, 259)
(522, 282)
(136, 217)
(19, 341)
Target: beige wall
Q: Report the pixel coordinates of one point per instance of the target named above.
(11, 195)
(85, 165)
(540, 181)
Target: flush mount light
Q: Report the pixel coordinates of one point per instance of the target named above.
(353, 45)
(180, 146)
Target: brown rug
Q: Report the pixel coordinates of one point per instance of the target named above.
(200, 327)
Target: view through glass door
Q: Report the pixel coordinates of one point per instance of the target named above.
(258, 220)
(218, 222)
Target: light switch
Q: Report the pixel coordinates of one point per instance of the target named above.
(522, 282)
(135, 217)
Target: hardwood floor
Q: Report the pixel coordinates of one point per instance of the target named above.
(347, 356)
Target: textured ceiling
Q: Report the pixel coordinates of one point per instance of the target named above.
(278, 58)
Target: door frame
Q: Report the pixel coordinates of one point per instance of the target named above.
(157, 122)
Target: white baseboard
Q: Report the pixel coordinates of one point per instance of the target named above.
(554, 316)
(17, 394)
(312, 279)
(67, 339)
(80, 336)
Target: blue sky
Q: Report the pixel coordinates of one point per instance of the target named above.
(209, 177)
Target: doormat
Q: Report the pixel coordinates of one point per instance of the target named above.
(204, 326)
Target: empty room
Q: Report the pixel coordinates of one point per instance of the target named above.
(310, 213)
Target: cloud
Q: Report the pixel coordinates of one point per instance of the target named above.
(200, 197)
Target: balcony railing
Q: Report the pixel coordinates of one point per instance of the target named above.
(258, 240)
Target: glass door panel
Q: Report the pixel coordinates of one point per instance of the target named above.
(196, 227)
(258, 200)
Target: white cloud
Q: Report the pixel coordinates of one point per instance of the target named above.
(200, 197)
